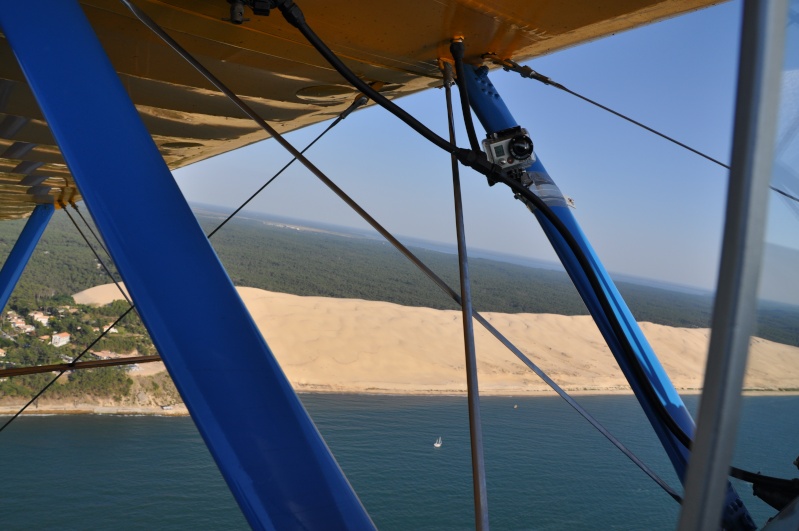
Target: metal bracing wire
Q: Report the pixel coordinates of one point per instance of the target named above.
(510, 65)
(71, 365)
(472, 387)
(360, 100)
(97, 256)
(88, 226)
(61, 373)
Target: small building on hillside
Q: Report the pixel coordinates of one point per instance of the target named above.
(40, 317)
(2, 353)
(60, 339)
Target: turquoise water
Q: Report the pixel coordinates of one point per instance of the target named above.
(547, 469)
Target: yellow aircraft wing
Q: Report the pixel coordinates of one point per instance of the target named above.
(268, 63)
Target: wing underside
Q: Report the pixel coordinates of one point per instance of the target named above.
(266, 61)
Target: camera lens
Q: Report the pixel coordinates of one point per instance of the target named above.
(521, 147)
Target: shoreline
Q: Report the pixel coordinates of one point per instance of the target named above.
(180, 410)
(328, 346)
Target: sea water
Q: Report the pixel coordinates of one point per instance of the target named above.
(546, 467)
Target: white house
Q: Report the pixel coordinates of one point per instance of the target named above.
(60, 339)
(40, 317)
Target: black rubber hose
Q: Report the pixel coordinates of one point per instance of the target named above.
(585, 265)
(456, 49)
(752, 477)
(294, 16)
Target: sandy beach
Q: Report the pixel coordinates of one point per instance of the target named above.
(354, 346)
(357, 346)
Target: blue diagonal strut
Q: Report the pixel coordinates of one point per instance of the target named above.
(22, 251)
(495, 116)
(270, 453)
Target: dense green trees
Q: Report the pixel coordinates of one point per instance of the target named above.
(322, 263)
(263, 255)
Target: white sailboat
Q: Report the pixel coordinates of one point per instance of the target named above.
(438, 443)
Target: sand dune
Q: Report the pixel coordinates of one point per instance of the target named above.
(345, 345)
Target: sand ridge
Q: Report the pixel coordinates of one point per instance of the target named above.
(358, 346)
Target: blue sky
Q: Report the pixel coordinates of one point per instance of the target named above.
(651, 209)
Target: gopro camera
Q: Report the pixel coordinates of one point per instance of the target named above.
(510, 148)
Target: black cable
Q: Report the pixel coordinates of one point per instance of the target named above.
(456, 48)
(674, 428)
(753, 477)
(96, 255)
(639, 124)
(57, 376)
(88, 226)
(294, 16)
(627, 350)
(357, 103)
(785, 194)
(529, 73)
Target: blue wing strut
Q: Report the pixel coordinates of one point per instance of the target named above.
(22, 251)
(270, 453)
(495, 116)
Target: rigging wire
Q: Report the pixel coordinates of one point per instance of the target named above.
(92, 364)
(359, 101)
(472, 387)
(96, 255)
(61, 373)
(785, 194)
(102, 335)
(88, 226)
(529, 73)
(381, 230)
(526, 72)
(456, 49)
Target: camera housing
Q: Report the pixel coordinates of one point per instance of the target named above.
(510, 148)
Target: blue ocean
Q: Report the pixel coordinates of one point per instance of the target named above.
(546, 467)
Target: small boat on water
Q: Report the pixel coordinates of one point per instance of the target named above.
(438, 443)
